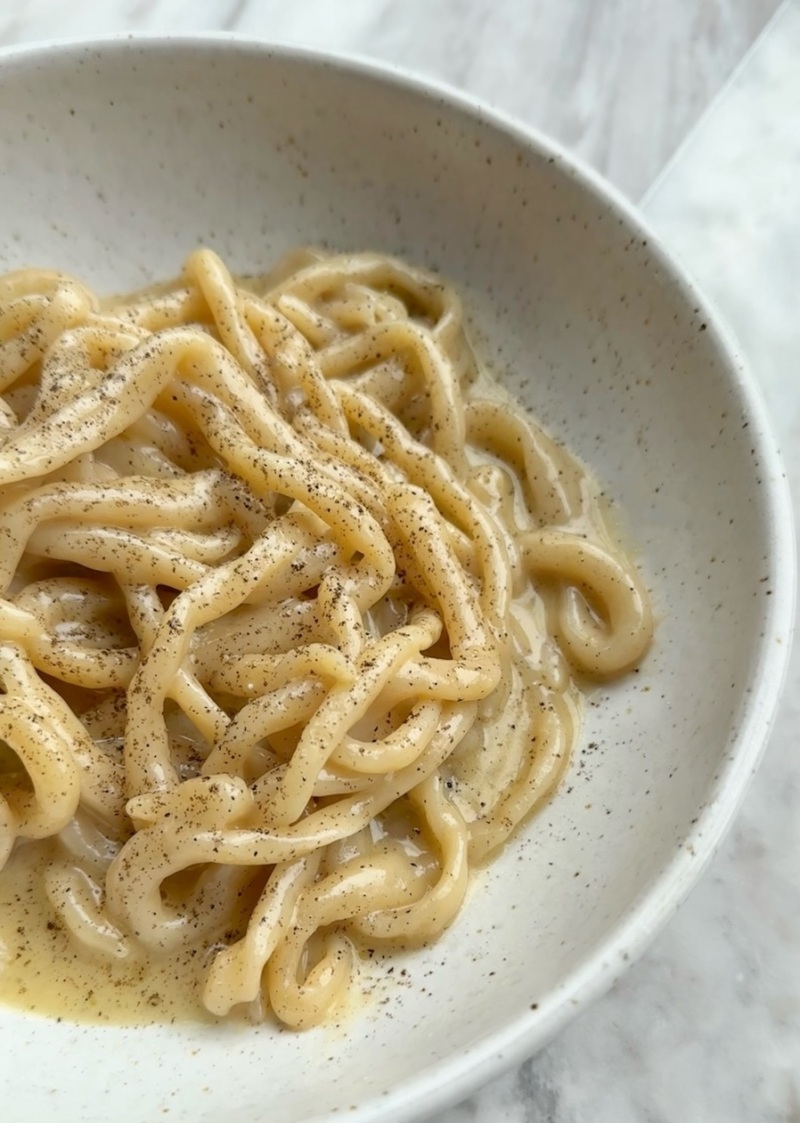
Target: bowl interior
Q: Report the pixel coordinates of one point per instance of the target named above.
(115, 161)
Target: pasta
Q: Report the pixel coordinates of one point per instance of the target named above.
(294, 604)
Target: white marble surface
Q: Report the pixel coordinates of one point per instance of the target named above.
(706, 1027)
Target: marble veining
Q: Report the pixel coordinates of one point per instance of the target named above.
(706, 1027)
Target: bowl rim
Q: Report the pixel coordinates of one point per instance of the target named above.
(448, 1081)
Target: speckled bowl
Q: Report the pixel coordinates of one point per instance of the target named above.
(116, 159)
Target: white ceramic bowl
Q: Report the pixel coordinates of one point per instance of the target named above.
(116, 159)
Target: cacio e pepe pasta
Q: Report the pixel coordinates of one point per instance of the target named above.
(294, 600)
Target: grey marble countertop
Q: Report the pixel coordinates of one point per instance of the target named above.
(675, 105)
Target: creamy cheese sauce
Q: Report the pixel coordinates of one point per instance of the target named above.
(44, 971)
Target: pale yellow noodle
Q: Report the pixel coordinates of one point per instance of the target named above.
(288, 606)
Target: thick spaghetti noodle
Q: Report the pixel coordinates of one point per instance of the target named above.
(291, 598)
